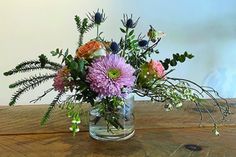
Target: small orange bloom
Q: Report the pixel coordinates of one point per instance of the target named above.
(87, 49)
(64, 71)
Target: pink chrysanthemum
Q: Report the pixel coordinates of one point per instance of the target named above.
(60, 80)
(108, 75)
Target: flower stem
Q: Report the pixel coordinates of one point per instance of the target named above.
(126, 34)
(97, 32)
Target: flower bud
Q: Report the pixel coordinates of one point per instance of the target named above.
(129, 23)
(98, 18)
(142, 43)
(114, 47)
(152, 34)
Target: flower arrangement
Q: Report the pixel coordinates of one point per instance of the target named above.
(103, 72)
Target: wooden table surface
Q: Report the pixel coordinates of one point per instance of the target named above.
(158, 134)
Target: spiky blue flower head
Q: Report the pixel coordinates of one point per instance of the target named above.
(128, 22)
(114, 47)
(97, 17)
(142, 43)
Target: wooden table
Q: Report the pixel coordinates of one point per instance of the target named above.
(158, 134)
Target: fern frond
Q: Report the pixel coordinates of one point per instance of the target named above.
(29, 68)
(50, 108)
(30, 85)
(78, 22)
(31, 79)
(54, 64)
(89, 27)
(36, 62)
(33, 65)
(27, 63)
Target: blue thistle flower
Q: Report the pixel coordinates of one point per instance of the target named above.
(129, 22)
(142, 43)
(114, 47)
(97, 17)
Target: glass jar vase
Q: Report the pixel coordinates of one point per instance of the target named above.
(119, 127)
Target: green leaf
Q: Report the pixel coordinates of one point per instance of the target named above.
(81, 65)
(131, 32)
(122, 30)
(8, 73)
(60, 54)
(74, 65)
(176, 56)
(66, 52)
(165, 65)
(57, 50)
(190, 56)
(167, 60)
(54, 53)
(181, 58)
(134, 41)
(68, 60)
(173, 62)
(69, 57)
(78, 22)
(186, 53)
(156, 51)
(132, 37)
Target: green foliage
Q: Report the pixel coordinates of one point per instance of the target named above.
(130, 45)
(83, 26)
(108, 109)
(135, 53)
(28, 81)
(73, 112)
(28, 84)
(50, 108)
(43, 60)
(27, 66)
(57, 52)
(122, 30)
(176, 58)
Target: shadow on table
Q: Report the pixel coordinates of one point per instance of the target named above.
(83, 145)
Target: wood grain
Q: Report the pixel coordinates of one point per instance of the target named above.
(158, 134)
(146, 142)
(26, 119)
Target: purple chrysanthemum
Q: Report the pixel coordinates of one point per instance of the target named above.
(108, 75)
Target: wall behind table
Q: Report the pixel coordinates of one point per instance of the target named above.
(205, 28)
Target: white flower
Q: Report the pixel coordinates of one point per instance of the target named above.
(168, 107)
(75, 121)
(179, 105)
(73, 129)
(98, 53)
(216, 132)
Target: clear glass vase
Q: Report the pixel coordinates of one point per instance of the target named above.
(100, 130)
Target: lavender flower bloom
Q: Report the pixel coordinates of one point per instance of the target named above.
(109, 75)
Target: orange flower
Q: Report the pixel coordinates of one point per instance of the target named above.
(87, 49)
(64, 71)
